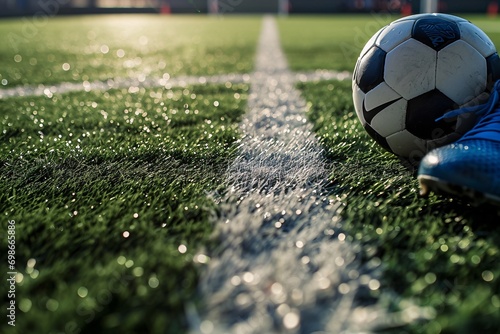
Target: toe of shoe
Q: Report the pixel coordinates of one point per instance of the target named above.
(475, 165)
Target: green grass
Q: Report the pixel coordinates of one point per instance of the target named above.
(327, 42)
(107, 188)
(102, 47)
(334, 42)
(104, 188)
(440, 254)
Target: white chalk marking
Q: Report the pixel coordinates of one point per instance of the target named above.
(283, 264)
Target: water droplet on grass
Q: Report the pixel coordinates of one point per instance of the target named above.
(206, 327)
(34, 274)
(487, 276)
(291, 320)
(137, 271)
(344, 288)
(153, 282)
(52, 305)
(202, 258)
(82, 292)
(104, 49)
(374, 284)
(25, 305)
(31, 263)
(235, 280)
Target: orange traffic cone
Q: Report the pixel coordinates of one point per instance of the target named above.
(165, 9)
(493, 9)
(406, 9)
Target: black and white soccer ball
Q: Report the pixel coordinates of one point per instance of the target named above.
(413, 71)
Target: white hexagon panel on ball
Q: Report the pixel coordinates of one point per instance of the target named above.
(477, 39)
(405, 144)
(394, 34)
(410, 69)
(461, 72)
(379, 96)
(391, 119)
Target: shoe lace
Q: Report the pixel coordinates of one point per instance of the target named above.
(488, 125)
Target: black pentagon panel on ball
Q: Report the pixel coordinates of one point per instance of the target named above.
(435, 31)
(378, 138)
(423, 111)
(370, 69)
(493, 67)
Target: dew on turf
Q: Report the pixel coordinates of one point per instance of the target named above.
(291, 320)
(487, 276)
(25, 305)
(344, 288)
(182, 249)
(31, 263)
(495, 301)
(235, 280)
(52, 305)
(82, 292)
(19, 278)
(138, 271)
(206, 327)
(153, 282)
(34, 274)
(201, 258)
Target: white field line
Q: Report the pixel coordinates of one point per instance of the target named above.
(166, 82)
(282, 264)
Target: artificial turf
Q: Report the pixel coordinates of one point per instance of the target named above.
(334, 42)
(110, 191)
(110, 194)
(88, 48)
(438, 254)
(330, 42)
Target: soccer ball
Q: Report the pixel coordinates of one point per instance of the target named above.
(413, 71)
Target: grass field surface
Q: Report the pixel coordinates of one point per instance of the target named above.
(109, 191)
(334, 42)
(113, 191)
(98, 48)
(438, 253)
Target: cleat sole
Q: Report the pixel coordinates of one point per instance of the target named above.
(430, 184)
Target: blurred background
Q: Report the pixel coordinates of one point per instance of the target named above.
(67, 7)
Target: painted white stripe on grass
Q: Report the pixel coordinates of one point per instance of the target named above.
(67, 87)
(167, 82)
(282, 264)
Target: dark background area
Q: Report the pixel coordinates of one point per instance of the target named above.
(67, 7)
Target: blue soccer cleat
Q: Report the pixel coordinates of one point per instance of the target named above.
(469, 167)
